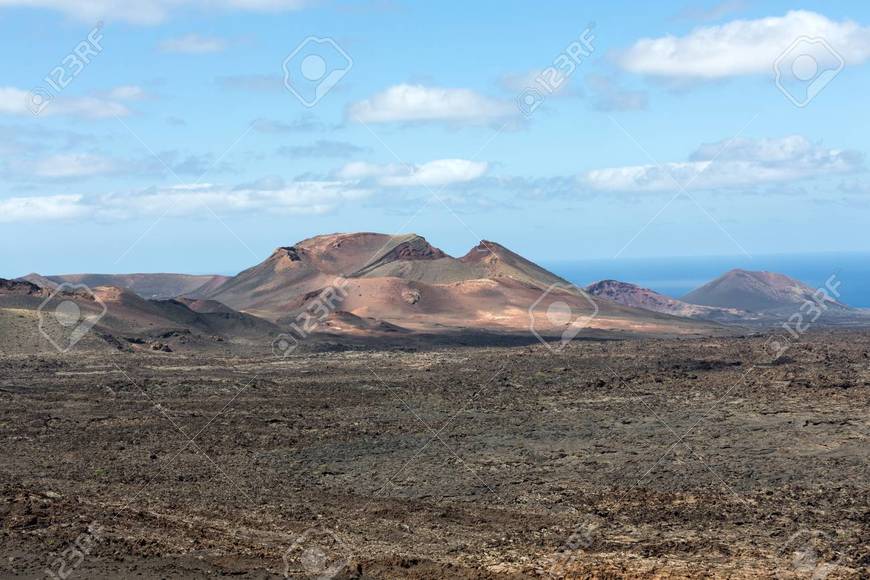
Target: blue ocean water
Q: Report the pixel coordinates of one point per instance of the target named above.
(677, 276)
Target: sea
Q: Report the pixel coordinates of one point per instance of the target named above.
(676, 277)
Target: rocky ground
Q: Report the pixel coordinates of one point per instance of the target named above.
(637, 458)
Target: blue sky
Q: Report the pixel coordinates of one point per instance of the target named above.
(178, 145)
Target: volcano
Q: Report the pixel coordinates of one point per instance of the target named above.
(345, 287)
(763, 292)
(406, 282)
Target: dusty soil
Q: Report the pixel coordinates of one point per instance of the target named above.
(638, 458)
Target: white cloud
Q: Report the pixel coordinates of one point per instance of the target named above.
(149, 11)
(743, 47)
(359, 170)
(737, 163)
(15, 101)
(794, 150)
(49, 208)
(440, 172)
(301, 197)
(418, 103)
(193, 44)
(28, 164)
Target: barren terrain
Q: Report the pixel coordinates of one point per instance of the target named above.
(637, 458)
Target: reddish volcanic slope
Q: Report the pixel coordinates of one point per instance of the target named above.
(405, 281)
(389, 285)
(393, 285)
(122, 313)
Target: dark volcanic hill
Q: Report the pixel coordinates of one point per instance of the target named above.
(20, 288)
(637, 297)
(150, 286)
(406, 282)
(757, 292)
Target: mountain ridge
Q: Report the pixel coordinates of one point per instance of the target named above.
(157, 285)
(405, 281)
(633, 295)
(371, 284)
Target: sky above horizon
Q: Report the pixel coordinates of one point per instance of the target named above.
(198, 135)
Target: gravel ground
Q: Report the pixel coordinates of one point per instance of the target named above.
(637, 458)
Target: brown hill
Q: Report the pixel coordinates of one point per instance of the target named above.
(763, 292)
(272, 288)
(122, 318)
(638, 297)
(405, 281)
(364, 286)
(149, 286)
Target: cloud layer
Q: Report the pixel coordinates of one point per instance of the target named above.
(418, 103)
(15, 101)
(735, 163)
(302, 197)
(354, 182)
(744, 47)
(438, 173)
